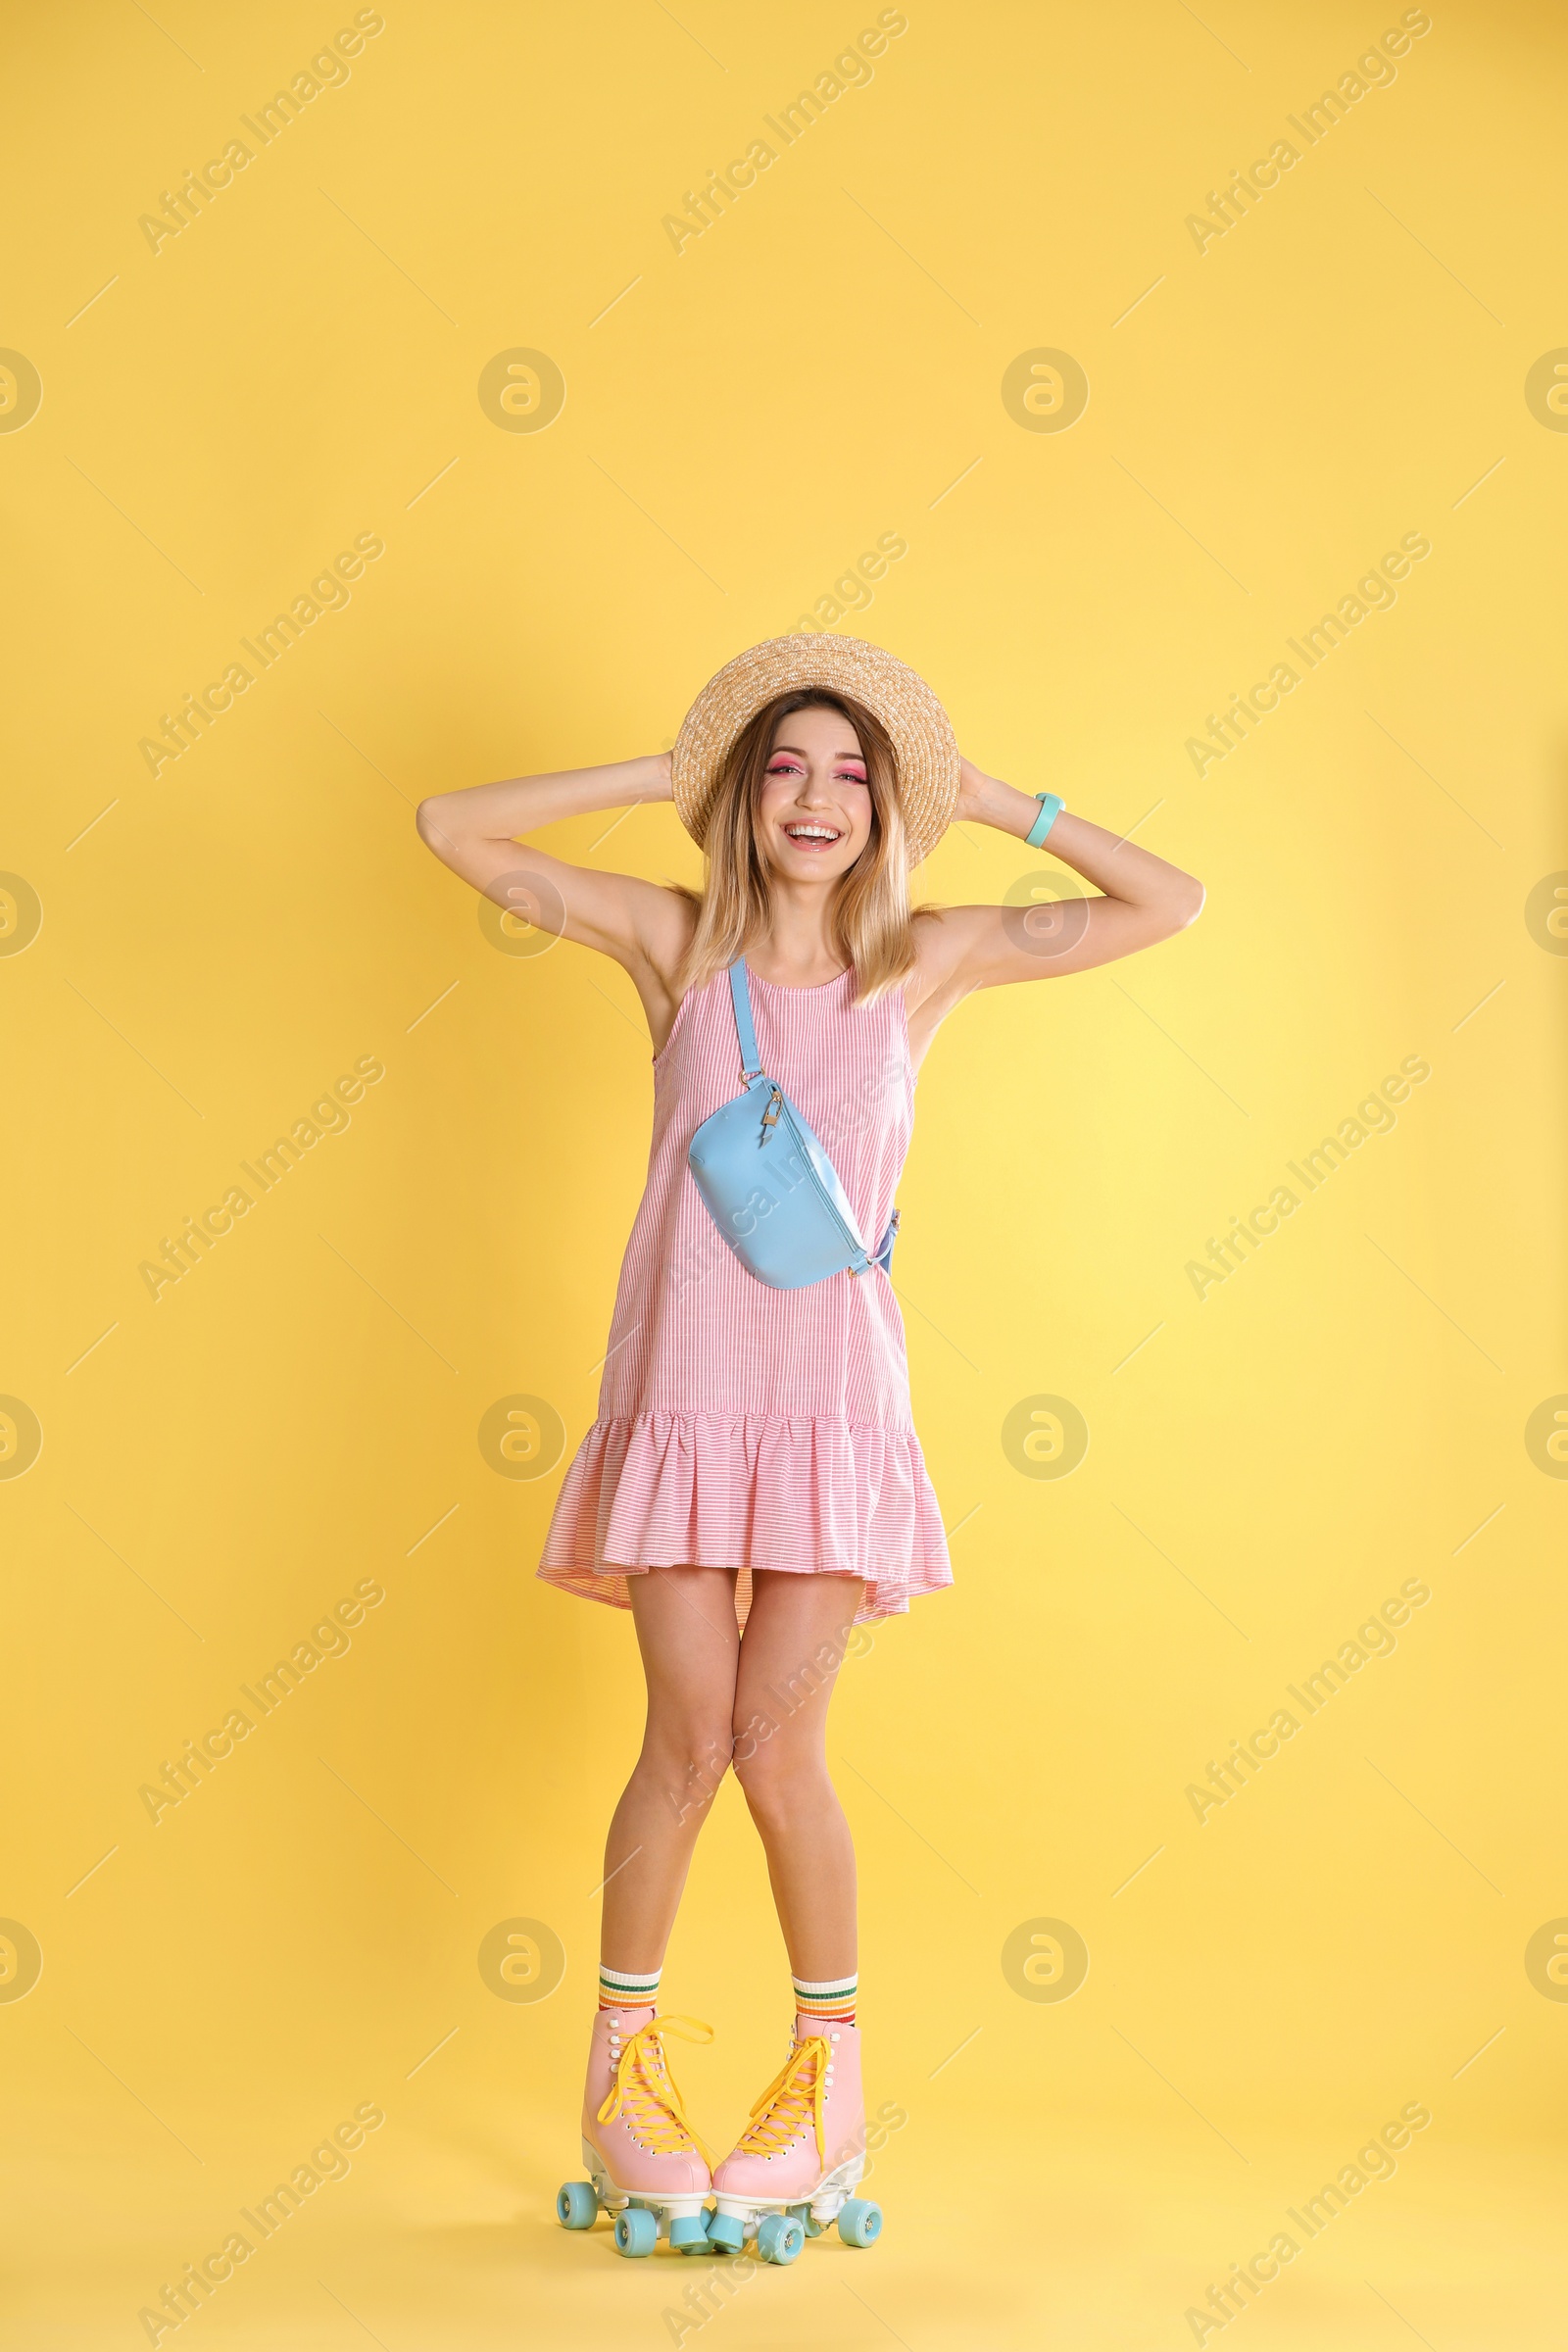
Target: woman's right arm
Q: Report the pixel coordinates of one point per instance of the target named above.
(643, 926)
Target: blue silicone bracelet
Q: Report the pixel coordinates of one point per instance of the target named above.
(1051, 808)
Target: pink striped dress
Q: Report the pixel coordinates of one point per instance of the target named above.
(743, 1426)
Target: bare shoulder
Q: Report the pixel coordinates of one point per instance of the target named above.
(941, 978)
(665, 917)
(943, 937)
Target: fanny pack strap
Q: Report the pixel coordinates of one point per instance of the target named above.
(741, 997)
(752, 1067)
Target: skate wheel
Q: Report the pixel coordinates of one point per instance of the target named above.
(577, 2204)
(689, 2234)
(780, 2237)
(726, 2232)
(860, 2221)
(636, 2232)
(803, 2214)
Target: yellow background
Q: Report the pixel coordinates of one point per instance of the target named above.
(300, 365)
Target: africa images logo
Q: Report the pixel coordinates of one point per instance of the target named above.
(851, 69)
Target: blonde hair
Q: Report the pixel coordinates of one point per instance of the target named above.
(868, 921)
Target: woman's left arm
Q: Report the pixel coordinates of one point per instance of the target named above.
(1142, 900)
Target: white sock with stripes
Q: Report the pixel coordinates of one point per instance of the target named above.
(629, 1988)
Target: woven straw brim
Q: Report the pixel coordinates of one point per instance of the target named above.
(922, 732)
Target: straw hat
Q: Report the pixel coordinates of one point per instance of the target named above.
(921, 731)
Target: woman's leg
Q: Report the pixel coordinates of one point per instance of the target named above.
(685, 1620)
(796, 1635)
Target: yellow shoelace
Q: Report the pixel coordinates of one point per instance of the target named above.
(644, 2089)
(791, 2100)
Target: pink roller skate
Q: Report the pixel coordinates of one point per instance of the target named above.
(802, 2155)
(646, 2164)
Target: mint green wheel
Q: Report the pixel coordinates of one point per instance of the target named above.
(803, 2214)
(860, 2221)
(726, 2232)
(636, 2232)
(577, 2204)
(688, 2233)
(780, 2237)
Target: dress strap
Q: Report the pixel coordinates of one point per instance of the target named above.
(741, 996)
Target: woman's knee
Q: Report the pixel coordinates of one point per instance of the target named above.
(686, 1761)
(782, 1779)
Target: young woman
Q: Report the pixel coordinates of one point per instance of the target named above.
(753, 1486)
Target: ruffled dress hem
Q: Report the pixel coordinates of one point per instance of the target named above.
(744, 1492)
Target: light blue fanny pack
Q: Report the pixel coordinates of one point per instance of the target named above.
(768, 1185)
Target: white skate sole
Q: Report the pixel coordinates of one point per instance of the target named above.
(687, 2205)
(826, 2201)
(778, 2227)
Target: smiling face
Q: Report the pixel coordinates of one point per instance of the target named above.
(814, 814)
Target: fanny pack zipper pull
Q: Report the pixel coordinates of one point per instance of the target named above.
(770, 1114)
